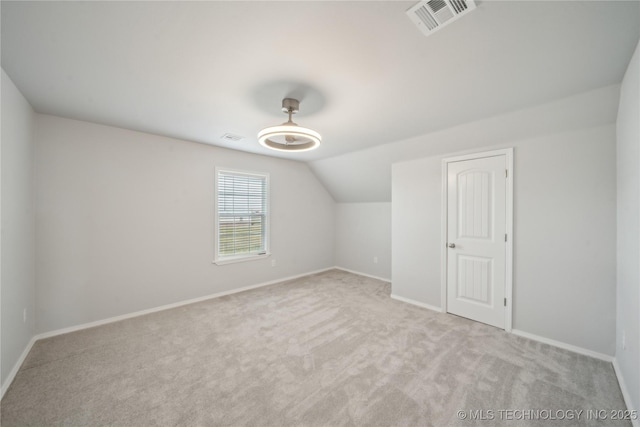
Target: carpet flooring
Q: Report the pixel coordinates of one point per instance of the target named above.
(330, 349)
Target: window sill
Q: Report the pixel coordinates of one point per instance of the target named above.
(243, 258)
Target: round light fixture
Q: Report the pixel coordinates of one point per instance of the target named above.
(289, 136)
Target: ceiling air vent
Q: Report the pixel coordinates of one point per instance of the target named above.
(230, 137)
(432, 15)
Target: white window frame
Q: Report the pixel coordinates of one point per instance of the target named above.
(229, 259)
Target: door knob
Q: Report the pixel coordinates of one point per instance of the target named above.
(452, 245)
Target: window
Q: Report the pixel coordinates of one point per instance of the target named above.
(242, 223)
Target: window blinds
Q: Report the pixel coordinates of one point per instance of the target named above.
(242, 214)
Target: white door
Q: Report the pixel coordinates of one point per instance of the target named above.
(476, 235)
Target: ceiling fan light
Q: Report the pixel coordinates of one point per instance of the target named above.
(289, 136)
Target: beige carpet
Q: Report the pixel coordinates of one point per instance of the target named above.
(326, 350)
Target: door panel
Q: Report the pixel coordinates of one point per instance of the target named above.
(476, 227)
(474, 212)
(474, 277)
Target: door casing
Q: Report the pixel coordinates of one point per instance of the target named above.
(508, 153)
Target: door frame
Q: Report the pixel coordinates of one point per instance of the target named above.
(508, 153)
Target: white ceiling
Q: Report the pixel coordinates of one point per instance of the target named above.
(365, 74)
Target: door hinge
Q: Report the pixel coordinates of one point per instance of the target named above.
(505, 302)
(506, 173)
(505, 237)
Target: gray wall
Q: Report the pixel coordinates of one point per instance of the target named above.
(363, 232)
(628, 167)
(415, 230)
(18, 226)
(125, 222)
(564, 235)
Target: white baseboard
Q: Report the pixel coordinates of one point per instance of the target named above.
(56, 332)
(362, 274)
(419, 304)
(564, 346)
(625, 392)
(17, 366)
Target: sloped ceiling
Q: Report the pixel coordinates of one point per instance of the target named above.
(365, 176)
(365, 75)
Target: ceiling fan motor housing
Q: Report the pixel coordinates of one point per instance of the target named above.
(290, 105)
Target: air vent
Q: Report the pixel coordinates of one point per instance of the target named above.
(230, 137)
(432, 15)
